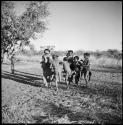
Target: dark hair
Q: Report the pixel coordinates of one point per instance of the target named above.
(46, 50)
(86, 54)
(70, 51)
(76, 57)
(65, 59)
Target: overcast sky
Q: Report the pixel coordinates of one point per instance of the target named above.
(82, 25)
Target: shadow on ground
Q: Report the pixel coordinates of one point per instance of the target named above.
(37, 81)
(53, 114)
(101, 90)
(25, 78)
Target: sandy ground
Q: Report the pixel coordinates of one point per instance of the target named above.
(25, 99)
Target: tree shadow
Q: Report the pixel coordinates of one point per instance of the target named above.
(23, 78)
(4, 63)
(100, 90)
(59, 111)
(27, 73)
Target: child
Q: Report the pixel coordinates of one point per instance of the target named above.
(70, 56)
(46, 57)
(56, 69)
(67, 70)
(77, 68)
(86, 67)
(46, 65)
(70, 59)
(56, 66)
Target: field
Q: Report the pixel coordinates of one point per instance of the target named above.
(26, 100)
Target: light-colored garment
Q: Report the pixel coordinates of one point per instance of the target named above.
(66, 67)
(56, 66)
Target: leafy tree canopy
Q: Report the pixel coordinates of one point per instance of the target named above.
(17, 30)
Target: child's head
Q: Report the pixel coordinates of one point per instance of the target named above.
(70, 53)
(86, 55)
(76, 58)
(46, 51)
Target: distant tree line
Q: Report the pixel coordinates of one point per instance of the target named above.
(111, 53)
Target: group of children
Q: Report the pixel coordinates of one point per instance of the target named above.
(77, 66)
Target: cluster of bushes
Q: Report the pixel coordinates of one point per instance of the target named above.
(104, 58)
(111, 53)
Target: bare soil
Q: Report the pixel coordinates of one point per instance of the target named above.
(25, 99)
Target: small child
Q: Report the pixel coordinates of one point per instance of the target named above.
(56, 66)
(66, 65)
(86, 67)
(56, 69)
(67, 70)
(46, 65)
(70, 56)
(86, 61)
(77, 68)
(70, 59)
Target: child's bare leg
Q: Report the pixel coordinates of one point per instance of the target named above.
(90, 73)
(85, 77)
(56, 82)
(45, 81)
(59, 77)
(81, 76)
(77, 77)
(66, 80)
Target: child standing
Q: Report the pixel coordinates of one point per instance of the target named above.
(46, 65)
(86, 67)
(77, 69)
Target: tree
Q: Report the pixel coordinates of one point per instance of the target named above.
(6, 13)
(16, 31)
(113, 53)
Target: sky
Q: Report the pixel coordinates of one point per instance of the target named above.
(81, 25)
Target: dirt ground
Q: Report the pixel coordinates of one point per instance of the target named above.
(25, 99)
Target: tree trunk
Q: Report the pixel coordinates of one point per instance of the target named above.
(12, 64)
(2, 56)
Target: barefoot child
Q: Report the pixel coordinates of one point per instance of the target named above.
(46, 65)
(86, 68)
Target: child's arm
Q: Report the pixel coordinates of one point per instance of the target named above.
(87, 64)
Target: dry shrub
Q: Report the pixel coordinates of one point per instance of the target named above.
(101, 61)
(106, 61)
